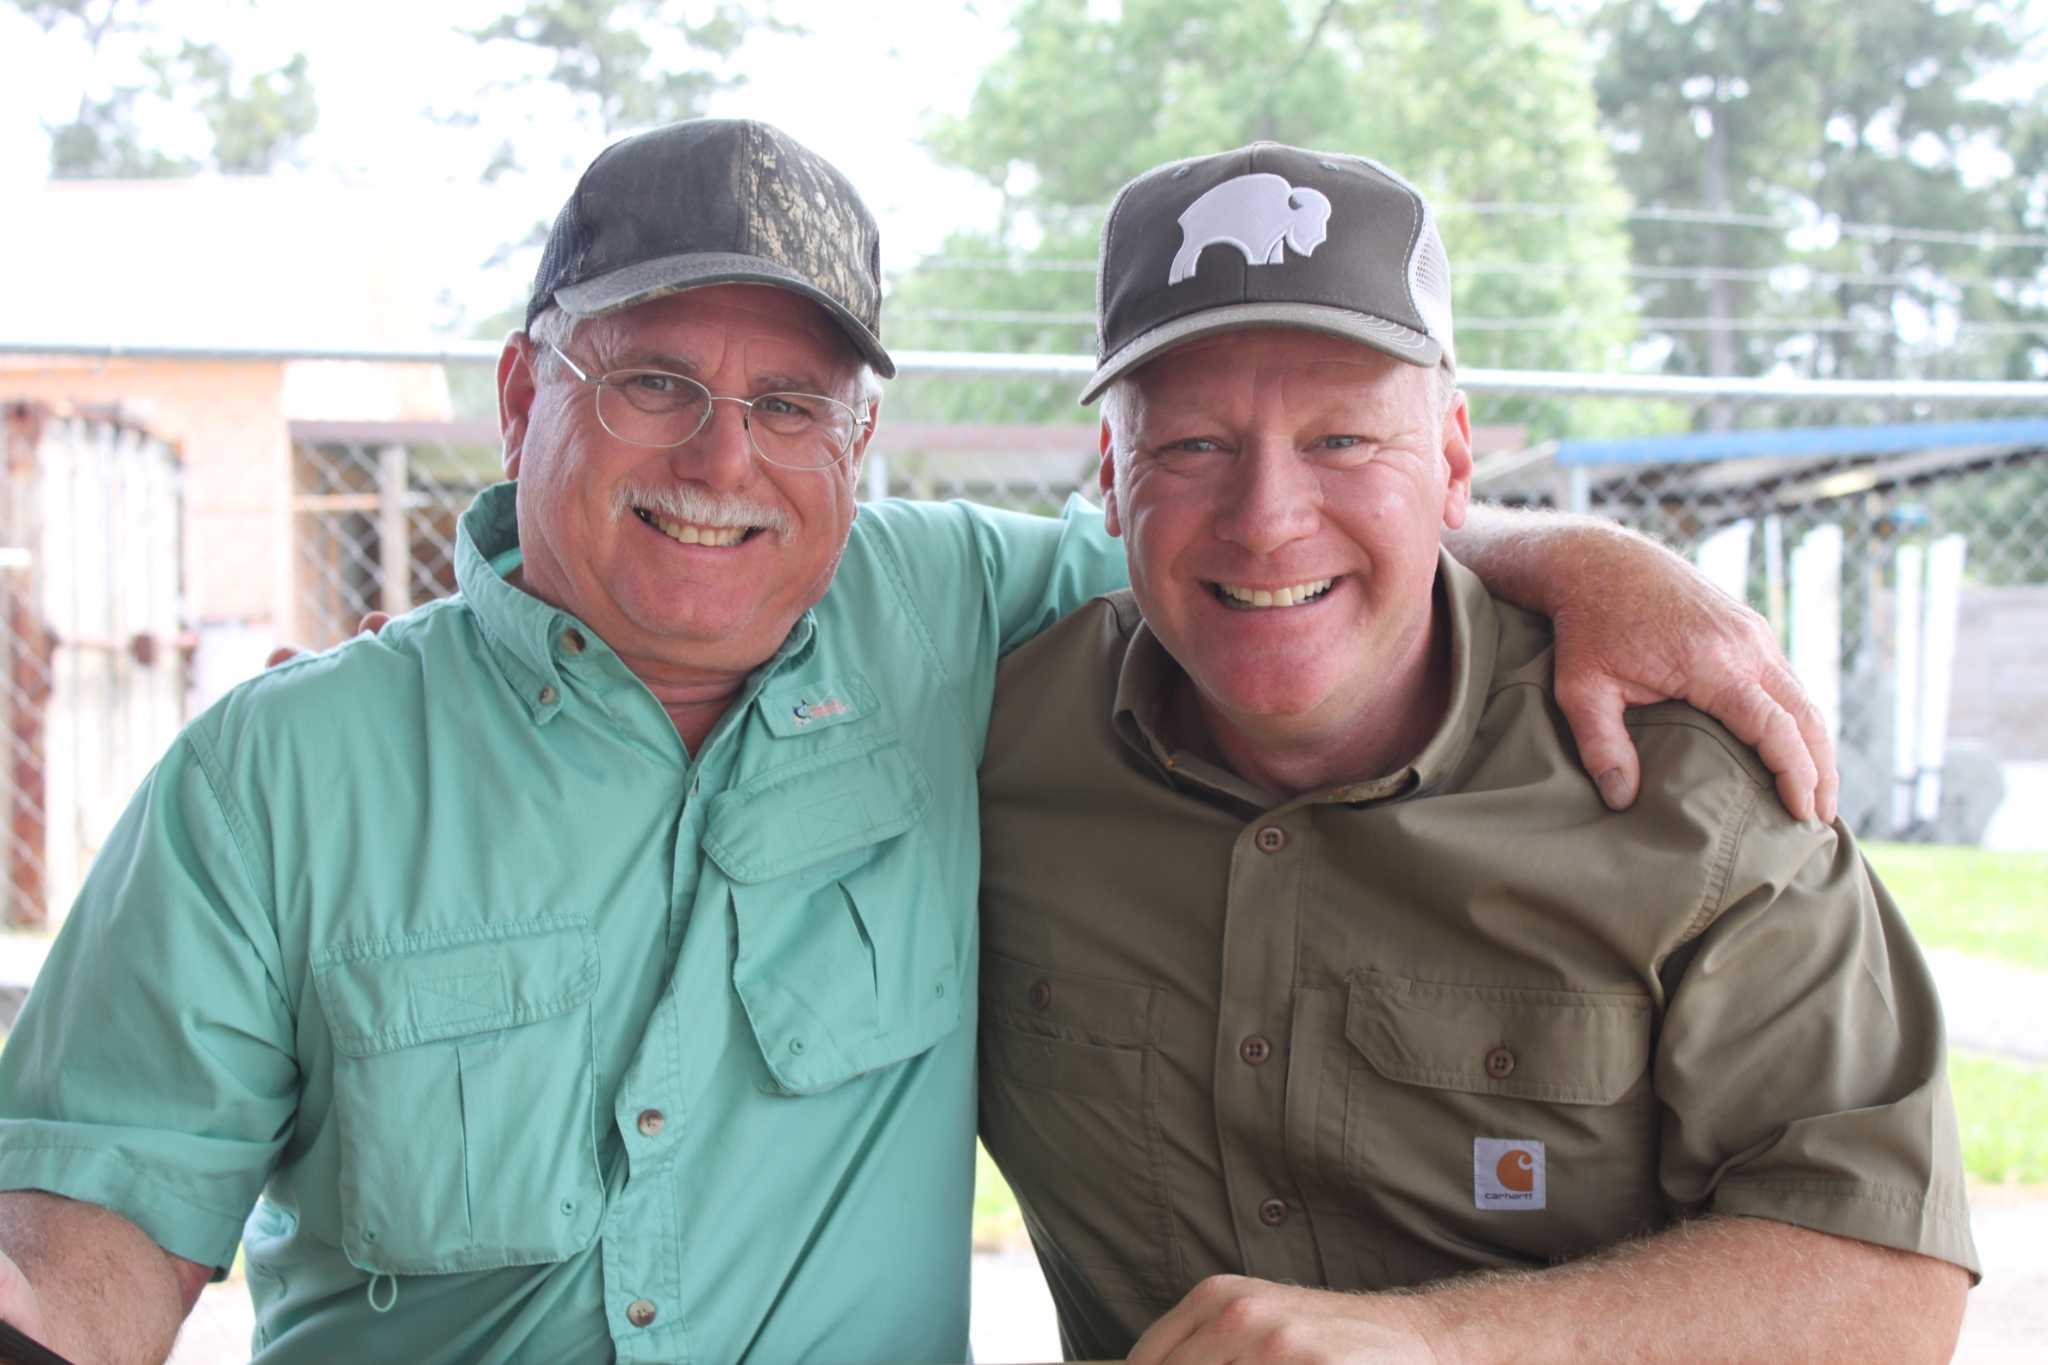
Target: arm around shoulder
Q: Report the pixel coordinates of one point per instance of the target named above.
(1638, 624)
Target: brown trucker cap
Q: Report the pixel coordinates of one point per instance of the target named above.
(1269, 236)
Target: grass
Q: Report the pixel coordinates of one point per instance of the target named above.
(2002, 1108)
(1991, 904)
(997, 1222)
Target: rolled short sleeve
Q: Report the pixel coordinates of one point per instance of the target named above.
(1802, 1060)
(152, 1070)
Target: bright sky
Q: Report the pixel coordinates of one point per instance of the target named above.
(388, 74)
(411, 106)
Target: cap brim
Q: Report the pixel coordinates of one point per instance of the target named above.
(636, 284)
(1402, 343)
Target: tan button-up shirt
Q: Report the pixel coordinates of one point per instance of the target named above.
(1450, 1017)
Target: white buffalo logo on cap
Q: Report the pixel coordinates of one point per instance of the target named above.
(1261, 215)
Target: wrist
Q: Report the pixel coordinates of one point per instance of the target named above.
(1431, 1319)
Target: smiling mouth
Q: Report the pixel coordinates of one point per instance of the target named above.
(1264, 599)
(691, 533)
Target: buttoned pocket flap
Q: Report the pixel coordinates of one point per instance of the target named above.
(1561, 1047)
(805, 708)
(1085, 1009)
(1051, 1030)
(383, 994)
(807, 813)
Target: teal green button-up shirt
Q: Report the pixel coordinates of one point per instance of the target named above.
(540, 1038)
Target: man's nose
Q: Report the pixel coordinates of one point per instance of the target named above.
(721, 454)
(1274, 499)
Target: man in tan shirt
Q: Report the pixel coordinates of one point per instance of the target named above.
(1312, 960)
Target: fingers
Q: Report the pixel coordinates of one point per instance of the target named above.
(1784, 686)
(1757, 719)
(1165, 1335)
(373, 622)
(283, 654)
(1594, 711)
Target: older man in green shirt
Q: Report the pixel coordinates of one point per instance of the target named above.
(582, 969)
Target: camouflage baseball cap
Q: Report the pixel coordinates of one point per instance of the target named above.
(715, 201)
(1269, 236)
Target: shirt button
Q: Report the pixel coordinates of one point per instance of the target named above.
(1273, 1212)
(547, 696)
(640, 1312)
(1500, 1063)
(1254, 1050)
(1041, 994)
(1271, 839)
(650, 1122)
(572, 642)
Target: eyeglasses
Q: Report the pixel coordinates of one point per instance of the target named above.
(662, 410)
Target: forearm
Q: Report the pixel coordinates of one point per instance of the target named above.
(1533, 557)
(108, 1295)
(1717, 1289)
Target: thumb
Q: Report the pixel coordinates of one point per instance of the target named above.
(1605, 750)
(283, 654)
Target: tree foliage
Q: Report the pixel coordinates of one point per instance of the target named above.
(1478, 102)
(601, 53)
(1816, 117)
(256, 125)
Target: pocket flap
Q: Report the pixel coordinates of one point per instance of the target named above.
(803, 708)
(1563, 1047)
(383, 994)
(1092, 1009)
(814, 810)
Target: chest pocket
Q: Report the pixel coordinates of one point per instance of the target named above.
(1070, 1075)
(1438, 1067)
(847, 959)
(464, 1097)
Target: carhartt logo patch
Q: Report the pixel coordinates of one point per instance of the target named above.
(1507, 1173)
(1259, 214)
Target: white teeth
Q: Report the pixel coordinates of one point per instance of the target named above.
(1276, 597)
(688, 533)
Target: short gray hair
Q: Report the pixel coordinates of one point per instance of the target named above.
(1116, 405)
(554, 327)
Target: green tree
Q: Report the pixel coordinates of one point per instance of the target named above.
(1479, 102)
(1814, 120)
(603, 54)
(255, 126)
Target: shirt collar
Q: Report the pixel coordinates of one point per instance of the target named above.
(1148, 674)
(527, 637)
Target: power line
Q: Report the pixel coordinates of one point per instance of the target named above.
(1879, 232)
(1555, 322)
(1771, 275)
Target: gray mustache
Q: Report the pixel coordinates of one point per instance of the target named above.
(681, 503)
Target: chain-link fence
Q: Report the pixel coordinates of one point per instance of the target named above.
(1896, 536)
